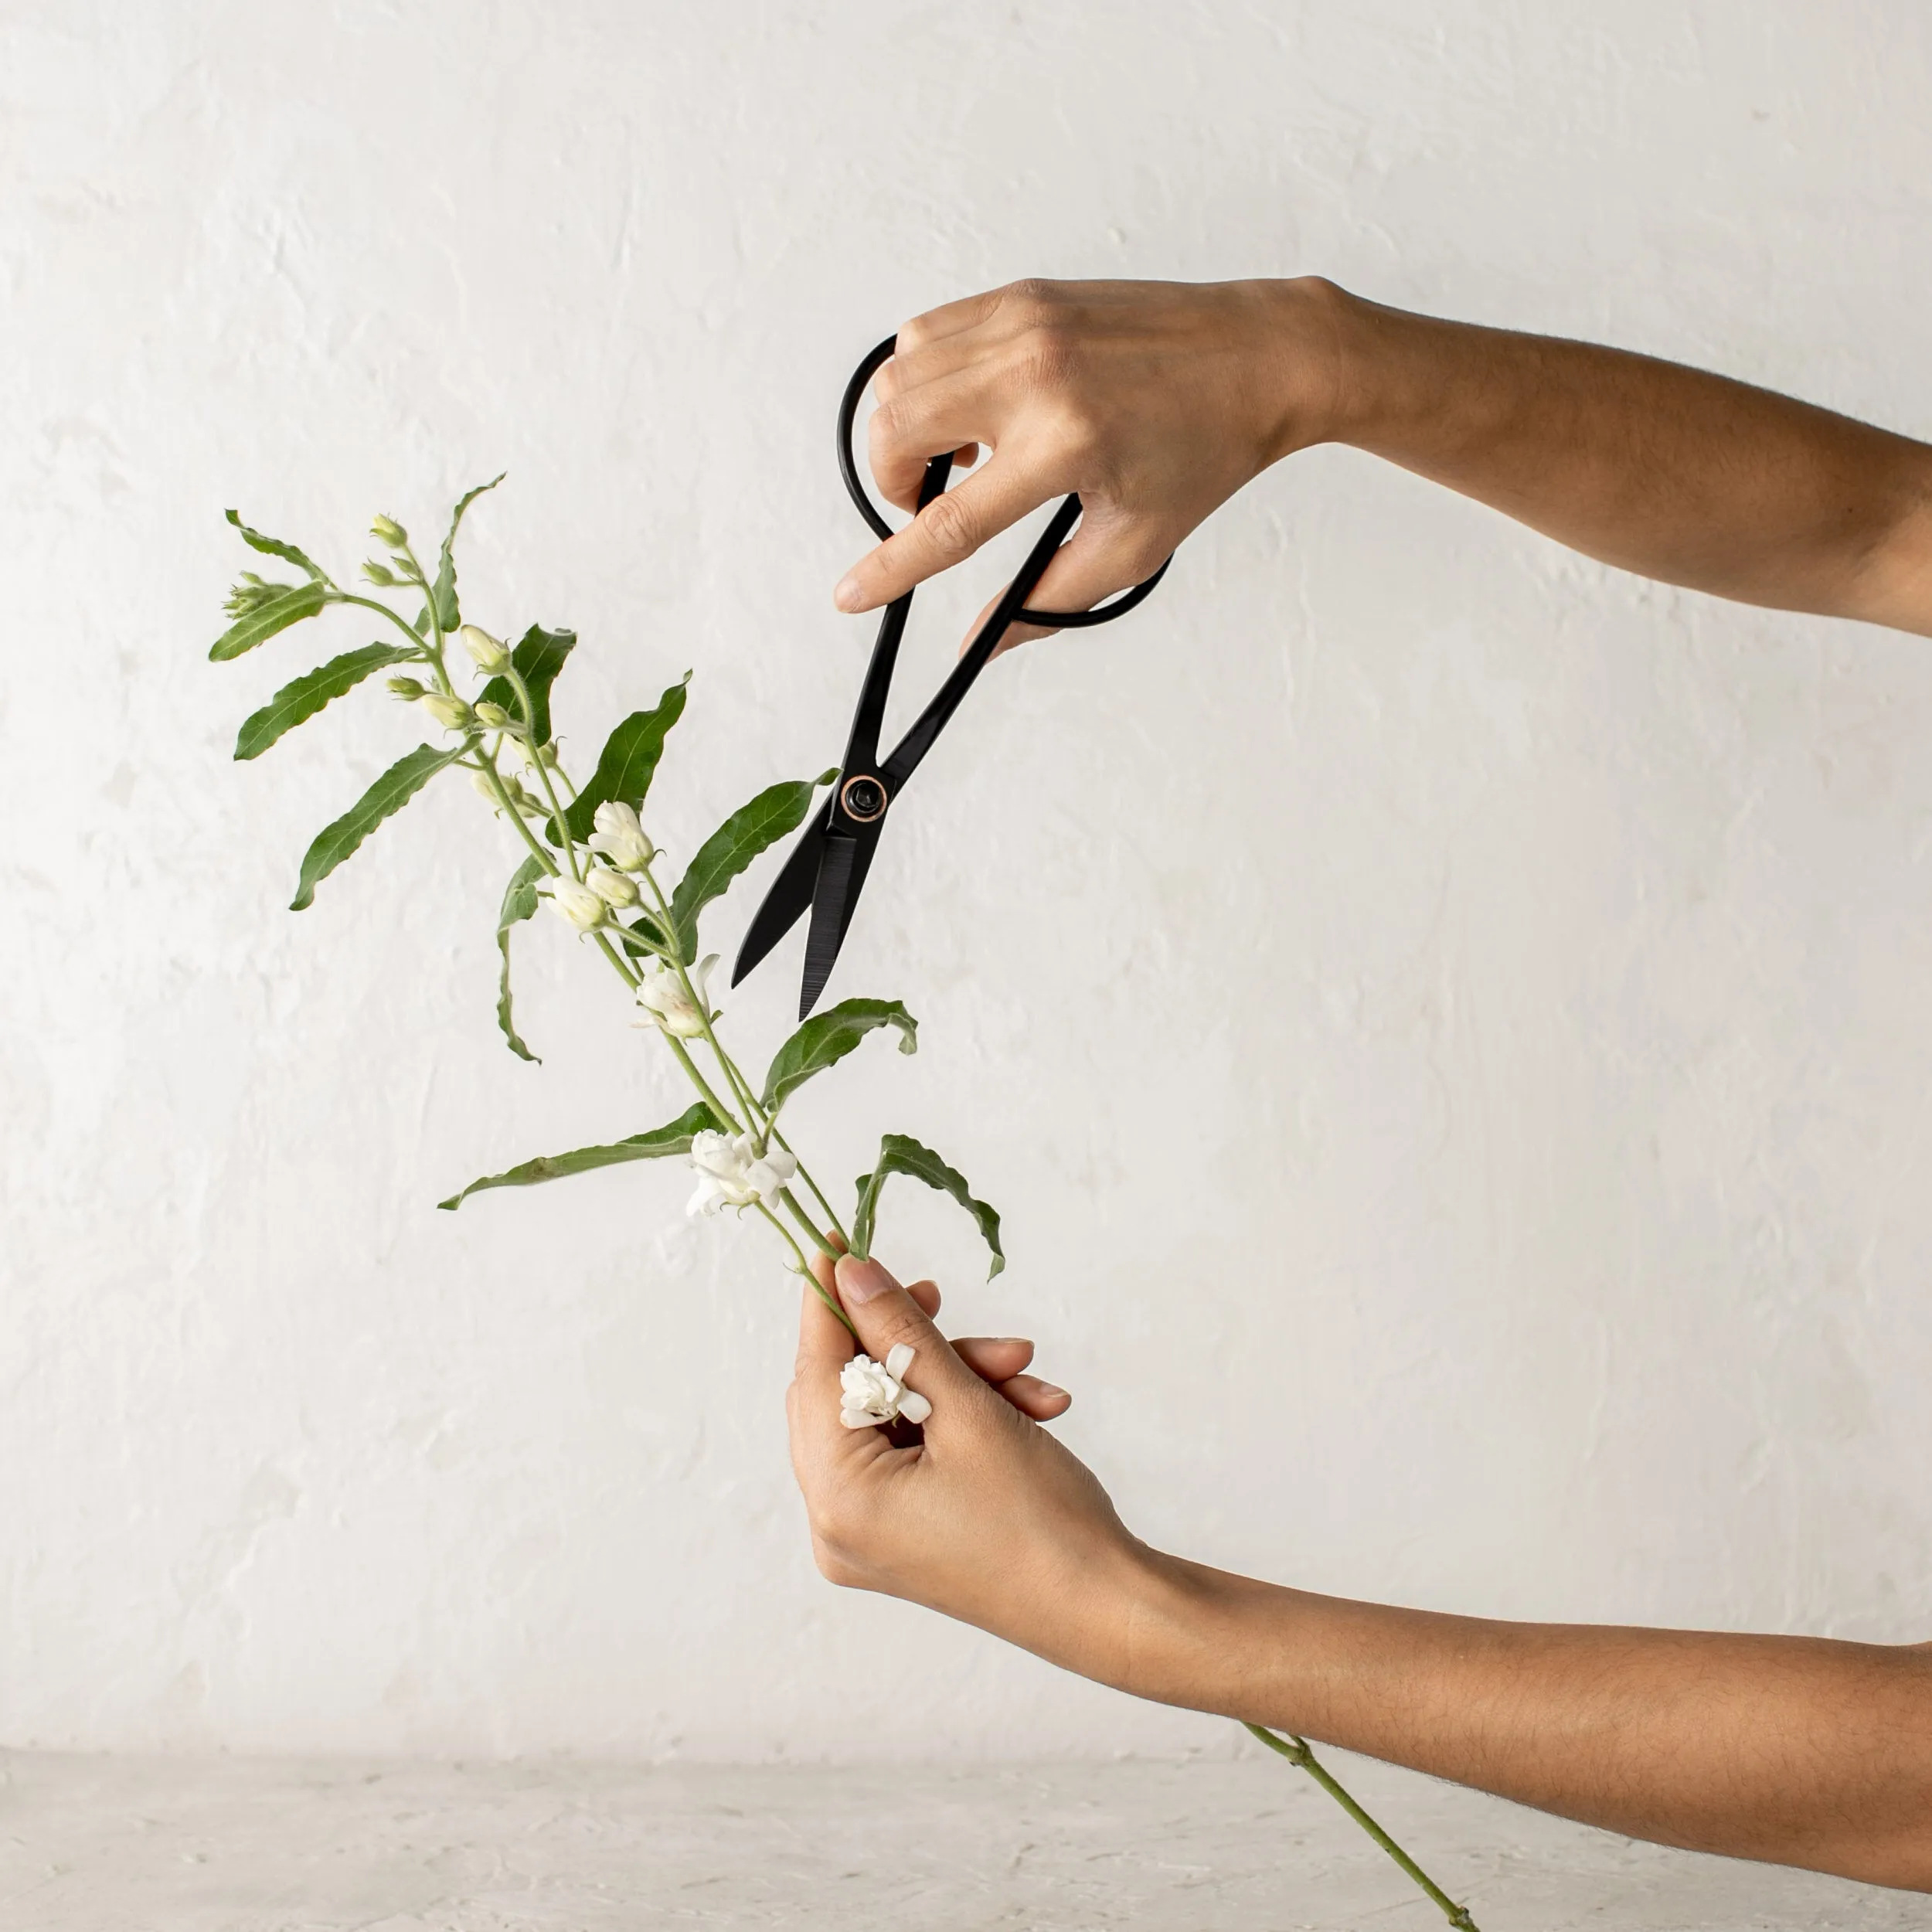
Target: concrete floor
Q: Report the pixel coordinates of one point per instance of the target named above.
(113, 1845)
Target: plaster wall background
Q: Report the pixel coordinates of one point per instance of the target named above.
(1447, 1024)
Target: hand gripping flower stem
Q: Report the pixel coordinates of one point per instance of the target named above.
(1297, 1751)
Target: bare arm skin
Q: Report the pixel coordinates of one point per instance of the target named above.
(1792, 1750)
(1157, 400)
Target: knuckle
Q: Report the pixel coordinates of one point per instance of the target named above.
(891, 422)
(949, 526)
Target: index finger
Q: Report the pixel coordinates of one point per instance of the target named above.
(947, 531)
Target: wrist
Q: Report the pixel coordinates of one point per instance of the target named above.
(1317, 364)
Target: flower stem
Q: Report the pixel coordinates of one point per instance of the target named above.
(1296, 1750)
(784, 1234)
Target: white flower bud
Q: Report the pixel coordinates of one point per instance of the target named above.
(452, 713)
(620, 839)
(612, 887)
(576, 902)
(492, 716)
(666, 1003)
(408, 689)
(390, 531)
(488, 652)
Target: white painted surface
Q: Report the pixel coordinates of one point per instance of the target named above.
(1448, 1025)
(94, 1844)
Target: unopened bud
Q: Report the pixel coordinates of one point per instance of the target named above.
(379, 574)
(488, 651)
(579, 904)
(612, 887)
(452, 713)
(493, 716)
(620, 838)
(408, 689)
(390, 531)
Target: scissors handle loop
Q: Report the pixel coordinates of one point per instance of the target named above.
(861, 502)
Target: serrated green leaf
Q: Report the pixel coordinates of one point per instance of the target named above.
(776, 810)
(675, 1138)
(254, 627)
(899, 1153)
(538, 657)
(827, 1038)
(388, 794)
(629, 763)
(448, 613)
(519, 903)
(296, 703)
(274, 546)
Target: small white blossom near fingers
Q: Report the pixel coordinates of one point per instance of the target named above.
(576, 902)
(452, 713)
(620, 839)
(732, 1173)
(488, 651)
(871, 1392)
(666, 1003)
(612, 887)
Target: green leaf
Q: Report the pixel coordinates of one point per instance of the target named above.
(776, 810)
(629, 763)
(519, 902)
(390, 793)
(899, 1153)
(676, 1138)
(539, 657)
(297, 702)
(274, 613)
(827, 1038)
(448, 613)
(274, 546)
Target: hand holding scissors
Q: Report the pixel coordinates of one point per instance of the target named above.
(827, 869)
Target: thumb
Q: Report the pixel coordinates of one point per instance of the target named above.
(886, 1316)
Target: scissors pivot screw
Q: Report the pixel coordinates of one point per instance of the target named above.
(864, 800)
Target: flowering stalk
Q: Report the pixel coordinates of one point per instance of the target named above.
(585, 851)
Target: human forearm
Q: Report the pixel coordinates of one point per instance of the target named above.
(1659, 469)
(1797, 1750)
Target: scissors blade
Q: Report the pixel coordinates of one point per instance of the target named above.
(842, 875)
(790, 893)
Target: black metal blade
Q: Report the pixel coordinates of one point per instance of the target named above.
(831, 914)
(790, 893)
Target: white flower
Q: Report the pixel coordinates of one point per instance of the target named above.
(870, 1393)
(578, 904)
(452, 713)
(620, 839)
(612, 887)
(488, 652)
(666, 1004)
(732, 1173)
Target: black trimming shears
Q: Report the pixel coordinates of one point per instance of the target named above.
(827, 869)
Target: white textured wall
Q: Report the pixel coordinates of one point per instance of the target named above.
(1449, 1025)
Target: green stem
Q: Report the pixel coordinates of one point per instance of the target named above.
(803, 1269)
(1296, 1750)
(804, 1174)
(487, 765)
(701, 1084)
(527, 704)
(804, 1220)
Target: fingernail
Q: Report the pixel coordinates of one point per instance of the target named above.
(848, 597)
(1048, 1388)
(858, 1281)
